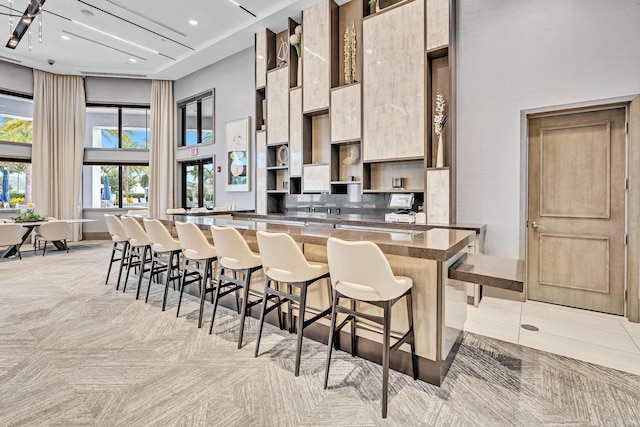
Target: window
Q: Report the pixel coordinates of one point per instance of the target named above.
(118, 127)
(197, 184)
(16, 119)
(16, 130)
(196, 120)
(19, 182)
(116, 143)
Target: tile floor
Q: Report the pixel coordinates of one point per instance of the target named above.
(603, 339)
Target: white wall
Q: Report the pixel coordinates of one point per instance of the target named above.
(234, 83)
(518, 55)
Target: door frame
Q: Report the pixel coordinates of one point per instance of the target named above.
(555, 110)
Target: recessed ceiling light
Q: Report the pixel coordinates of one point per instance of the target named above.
(63, 37)
(133, 60)
(193, 22)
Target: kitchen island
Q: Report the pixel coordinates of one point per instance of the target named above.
(439, 303)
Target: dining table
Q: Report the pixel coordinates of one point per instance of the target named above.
(28, 228)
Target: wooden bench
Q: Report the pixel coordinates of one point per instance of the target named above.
(487, 270)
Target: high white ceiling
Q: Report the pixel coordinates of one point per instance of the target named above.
(104, 35)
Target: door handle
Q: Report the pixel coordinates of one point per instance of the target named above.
(536, 225)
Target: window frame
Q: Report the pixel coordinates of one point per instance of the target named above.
(120, 156)
(183, 185)
(182, 113)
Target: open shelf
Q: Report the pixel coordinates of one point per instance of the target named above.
(394, 190)
(346, 182)
(272, 168)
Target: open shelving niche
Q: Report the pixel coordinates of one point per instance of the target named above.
(320, 149)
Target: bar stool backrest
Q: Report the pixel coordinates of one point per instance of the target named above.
(160, 238)
(136, 234)
(233, 250)
(280, 252)
(116, 229)
(10, 234)
(173, 211)
(193, 241)
(356, 264)
(202, 209)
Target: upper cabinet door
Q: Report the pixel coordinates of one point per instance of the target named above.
(264, 56)
(437, 23)
(316, 55)
(278, 105)
(295, 132)
(394, 84)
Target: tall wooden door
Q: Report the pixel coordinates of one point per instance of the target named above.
(576, 224)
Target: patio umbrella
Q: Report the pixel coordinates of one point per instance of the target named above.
(4, 195)
(106, 193)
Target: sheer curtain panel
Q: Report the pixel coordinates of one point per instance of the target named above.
(58, 143)
(162, 193)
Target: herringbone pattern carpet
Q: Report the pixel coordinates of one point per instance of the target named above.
(74, 352)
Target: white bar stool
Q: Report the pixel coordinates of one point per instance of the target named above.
(140, 246)
(234, 256)
(196, 249)
(165, 252)
(283, 261)
(120, 244)
(360, 272)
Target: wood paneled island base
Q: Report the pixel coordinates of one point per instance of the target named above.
(439, 303)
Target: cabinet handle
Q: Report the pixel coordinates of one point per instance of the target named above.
(536, 225)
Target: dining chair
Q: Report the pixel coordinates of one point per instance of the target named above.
(51, 231)
(11, 235)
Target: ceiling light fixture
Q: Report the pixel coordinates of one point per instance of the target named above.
(33, 11)
(63, 37)
(133, 60)
(193, 22)
(243, 8)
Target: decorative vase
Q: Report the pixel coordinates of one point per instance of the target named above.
(299, 82)
(440, 154)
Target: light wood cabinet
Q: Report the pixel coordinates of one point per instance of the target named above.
(316, 57)
(316, 179)
(346, 112)
(264, 56)
(393, 87)
(261, 173)
(295, 132)
(278, 106)
(437, 24)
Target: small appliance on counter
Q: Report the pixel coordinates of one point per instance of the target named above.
(403, 202)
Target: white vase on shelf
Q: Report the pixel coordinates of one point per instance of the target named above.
(440, 153)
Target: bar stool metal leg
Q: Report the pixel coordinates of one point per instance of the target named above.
(386, 347)
(303, 306)
(334, 315)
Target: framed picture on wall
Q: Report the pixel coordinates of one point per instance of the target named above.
(236, 136)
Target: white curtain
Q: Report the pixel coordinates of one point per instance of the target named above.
(58, 142)
(162, 184)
